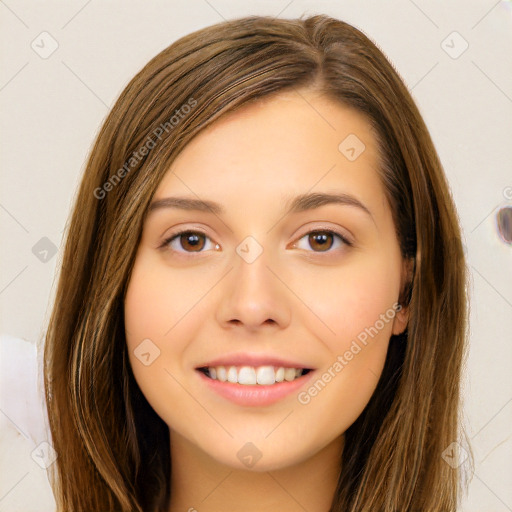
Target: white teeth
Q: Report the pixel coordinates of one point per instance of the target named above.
(221, 374)
(289, 374)
(266, 375)
(232, 375)
(246, 375)
(250, 375)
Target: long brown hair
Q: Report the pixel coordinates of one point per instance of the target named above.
(113, 449)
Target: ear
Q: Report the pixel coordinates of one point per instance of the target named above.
(402, 313)
(401, 319)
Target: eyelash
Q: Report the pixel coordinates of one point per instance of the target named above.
(168, 240)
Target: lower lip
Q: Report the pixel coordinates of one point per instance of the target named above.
(255, 395)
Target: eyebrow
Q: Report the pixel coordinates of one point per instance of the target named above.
(301, 203)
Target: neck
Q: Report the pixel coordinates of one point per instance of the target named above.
(199, 483)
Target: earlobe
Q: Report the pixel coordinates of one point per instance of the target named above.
(400, 321)
(402, 315)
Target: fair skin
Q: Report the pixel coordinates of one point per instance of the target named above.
(304, 299)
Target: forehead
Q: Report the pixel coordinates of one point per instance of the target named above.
(278, 147)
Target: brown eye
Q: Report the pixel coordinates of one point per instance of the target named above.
(188, 242)
(321, 240)
(192, 241)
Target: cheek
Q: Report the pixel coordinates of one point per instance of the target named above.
(343, 302)
(353, 318)
(158, 307)
(158, 299)
(356, 303)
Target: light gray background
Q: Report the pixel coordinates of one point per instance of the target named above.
(53, 107)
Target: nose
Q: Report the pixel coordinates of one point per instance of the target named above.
(253, 297)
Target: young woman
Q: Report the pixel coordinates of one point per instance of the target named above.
(262, 298)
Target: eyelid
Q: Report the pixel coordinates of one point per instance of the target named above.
(180, 231)
(346, 238)
(330, 251)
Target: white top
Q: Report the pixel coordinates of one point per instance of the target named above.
(25, 441)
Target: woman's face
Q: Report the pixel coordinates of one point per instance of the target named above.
(265, 281)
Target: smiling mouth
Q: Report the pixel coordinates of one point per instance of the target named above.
(253, 375)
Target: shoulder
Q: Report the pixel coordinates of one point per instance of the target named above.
(23, 428)
(22, 397)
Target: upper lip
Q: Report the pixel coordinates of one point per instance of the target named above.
(246, 359)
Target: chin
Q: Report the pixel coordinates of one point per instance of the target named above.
(260, 455)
